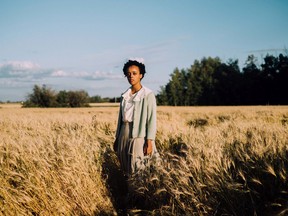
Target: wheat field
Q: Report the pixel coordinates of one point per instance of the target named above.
(214, 161)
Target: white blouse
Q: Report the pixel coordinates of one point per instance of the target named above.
(128, 105)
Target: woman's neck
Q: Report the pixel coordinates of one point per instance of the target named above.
(135, 88)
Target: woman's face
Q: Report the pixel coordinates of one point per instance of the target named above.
(133, 75)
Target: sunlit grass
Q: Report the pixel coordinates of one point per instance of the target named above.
(215, 161)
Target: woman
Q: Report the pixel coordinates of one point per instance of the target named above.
(136, 129)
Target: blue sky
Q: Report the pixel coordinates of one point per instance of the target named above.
(73, 44)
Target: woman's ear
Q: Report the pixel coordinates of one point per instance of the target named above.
(141, 76)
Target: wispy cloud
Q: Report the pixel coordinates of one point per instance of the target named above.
(17, 73)
(151, 53)
(20, 69)
(98, 75)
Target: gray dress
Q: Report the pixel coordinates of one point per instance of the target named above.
(130, 150)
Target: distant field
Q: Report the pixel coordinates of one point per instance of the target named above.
(10, 105)
(215, 161)
(18, 105)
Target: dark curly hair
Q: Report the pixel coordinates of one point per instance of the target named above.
(141, 67)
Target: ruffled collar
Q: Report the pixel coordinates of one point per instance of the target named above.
(138, 95)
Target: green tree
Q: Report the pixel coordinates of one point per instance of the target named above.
(192, 86)
(46, 97)
(227, 84)
(174, 88)
(62, 99)
(268, 77)
(202, 80)
(282, 79)
(41, 97)
(211, 82)
(162, 96)
(251, 83)
(95, 99)
(78, 98)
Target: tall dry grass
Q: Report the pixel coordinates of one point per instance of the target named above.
(214, 161)
(218, 161)
(51, 164)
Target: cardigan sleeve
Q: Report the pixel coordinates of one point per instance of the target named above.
(151, 117)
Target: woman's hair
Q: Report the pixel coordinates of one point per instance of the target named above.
(141, 67)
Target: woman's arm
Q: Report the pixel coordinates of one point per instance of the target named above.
(151, 124)
(151, 117)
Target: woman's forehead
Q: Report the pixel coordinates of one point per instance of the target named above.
(133, 68)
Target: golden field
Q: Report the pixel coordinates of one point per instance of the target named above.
(214, 161)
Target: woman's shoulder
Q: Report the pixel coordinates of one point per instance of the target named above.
(147, 93)
(147, 90)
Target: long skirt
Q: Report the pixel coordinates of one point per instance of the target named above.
(130, 150)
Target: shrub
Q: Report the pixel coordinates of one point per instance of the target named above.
(46, 97)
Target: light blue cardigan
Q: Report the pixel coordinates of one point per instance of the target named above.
(144, 118)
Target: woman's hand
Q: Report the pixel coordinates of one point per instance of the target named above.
(148, 147)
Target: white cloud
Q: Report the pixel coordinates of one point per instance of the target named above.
(103, 75)
(19, 69)
(17, 74)
(59, 73)
(98, 75)
(27, 71)
(21, 65)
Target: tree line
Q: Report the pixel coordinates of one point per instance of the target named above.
(207, 82)
(212, 82)
(44, 96)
